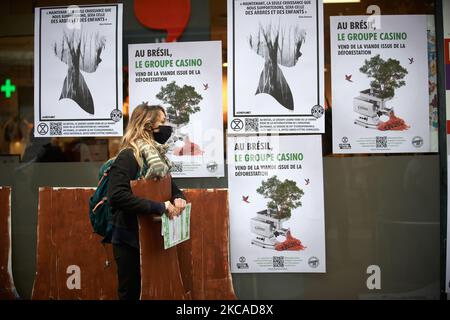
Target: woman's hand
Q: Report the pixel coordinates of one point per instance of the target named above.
(180, 204)
(171, 210)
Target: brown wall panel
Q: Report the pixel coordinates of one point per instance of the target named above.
(160, 271)
(65, 239)
(7, 289)
(211, 277)
(196, 269)
(185, 261)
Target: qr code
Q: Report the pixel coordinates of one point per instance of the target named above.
(177, 167)
(381, 142)
(252, 124)
(55, 128)
(278, 262)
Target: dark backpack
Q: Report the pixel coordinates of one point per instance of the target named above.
(100, 211)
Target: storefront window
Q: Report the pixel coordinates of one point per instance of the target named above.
(380, 210)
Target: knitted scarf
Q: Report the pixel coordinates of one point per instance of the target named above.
(155, 156)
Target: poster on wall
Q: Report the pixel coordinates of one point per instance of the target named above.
(276, 203)
(275, 67)
(432, 85)
(380, 88)
(78, 71)
(186, 79)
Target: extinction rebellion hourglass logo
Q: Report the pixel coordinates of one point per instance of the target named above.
(242, 264)
(345, 144)
(42, 129)
(116, 115)
(237, 124)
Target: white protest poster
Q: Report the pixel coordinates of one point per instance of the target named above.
(432, 83)
(275, 67)
(78, 71)
(276, 204)
(380, 89)
(186, 79)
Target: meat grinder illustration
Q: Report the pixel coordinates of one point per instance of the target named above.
(370, 109)
(267, 228)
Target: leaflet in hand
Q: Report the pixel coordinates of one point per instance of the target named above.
(176, 230)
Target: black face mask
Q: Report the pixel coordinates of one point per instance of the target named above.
(163, 134)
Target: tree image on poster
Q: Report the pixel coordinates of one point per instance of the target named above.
(81, 52)
(278, 47)
(387, 76)
(182, 101)
(284, 196)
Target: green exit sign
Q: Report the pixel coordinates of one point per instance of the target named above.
(8, 88)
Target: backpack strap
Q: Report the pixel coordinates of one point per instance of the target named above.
(143, 170)
(103, 176)
(99, 203)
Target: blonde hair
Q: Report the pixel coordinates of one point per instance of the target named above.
(139, 127)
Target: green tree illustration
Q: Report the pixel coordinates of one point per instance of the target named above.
(183, 102)
(387, 75)
(284, 196)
